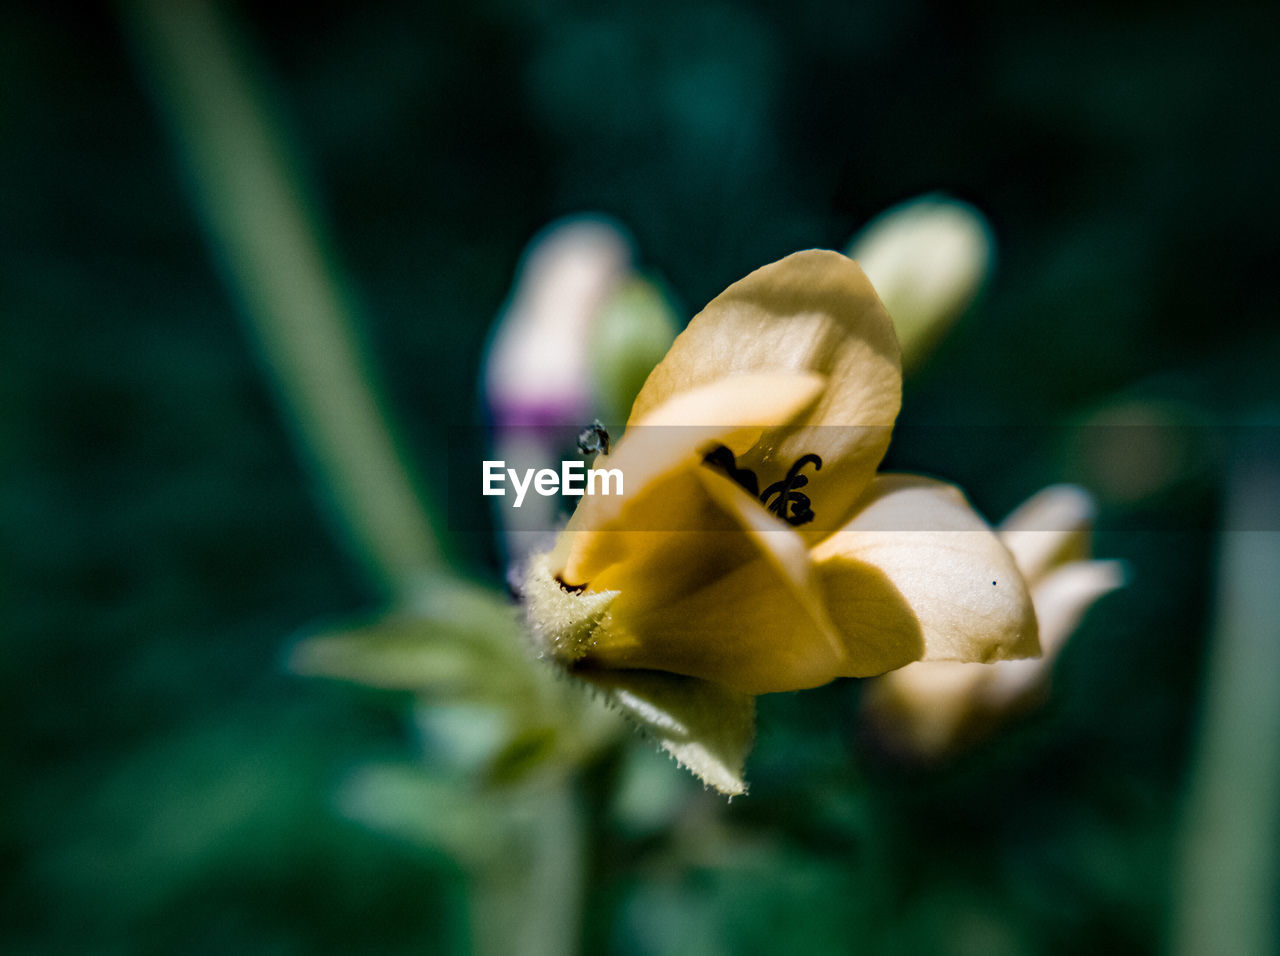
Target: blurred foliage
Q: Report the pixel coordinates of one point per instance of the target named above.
(170, 789)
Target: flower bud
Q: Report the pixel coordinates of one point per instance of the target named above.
(631, 333)
(927, 259)
(537, 378)
(536, 372)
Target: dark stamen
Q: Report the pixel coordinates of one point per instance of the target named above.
(800, 504)
(722, 458)
(789, 504)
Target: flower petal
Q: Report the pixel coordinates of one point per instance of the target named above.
(927, 259)
(670, 440)
(747, 630)
(929, 707)
(755, 623)
(664, 565)
(811, 311)
(962, 593)
(922, 710)
(1063, 597)
(1049, 529)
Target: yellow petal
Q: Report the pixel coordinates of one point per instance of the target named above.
(1049, 529)
(755, 623)
(962, 594)
(813, 311)
(1062, 598)
(667, 564)
(928, 707)
(651, 456)
(925, 708)
(746, 630)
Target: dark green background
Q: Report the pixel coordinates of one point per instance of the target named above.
(168, 787)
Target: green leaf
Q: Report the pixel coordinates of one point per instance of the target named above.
(459, 647)
(452, 639)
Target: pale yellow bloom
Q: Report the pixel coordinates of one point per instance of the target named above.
(714, 565)
(926, 709)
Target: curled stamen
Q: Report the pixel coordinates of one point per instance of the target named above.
(722, 458)
(788, 497)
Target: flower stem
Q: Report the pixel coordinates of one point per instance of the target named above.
(268, 241)
(1227, 894)
(529, 902)
(269, 244)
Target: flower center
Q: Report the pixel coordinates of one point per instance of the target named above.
(788, 502)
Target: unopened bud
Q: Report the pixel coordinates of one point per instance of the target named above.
(927, 259)
(633, 331)
(536, 373)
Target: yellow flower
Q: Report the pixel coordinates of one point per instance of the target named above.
(755, 549)
(927, 709)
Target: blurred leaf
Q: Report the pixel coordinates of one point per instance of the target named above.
(493, 709)
(525, 752)
(453, 639)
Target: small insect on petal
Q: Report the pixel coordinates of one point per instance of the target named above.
(594, 438)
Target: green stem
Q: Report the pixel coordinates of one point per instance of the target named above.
(528, 903)
(269, 243)
(1227, 893)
